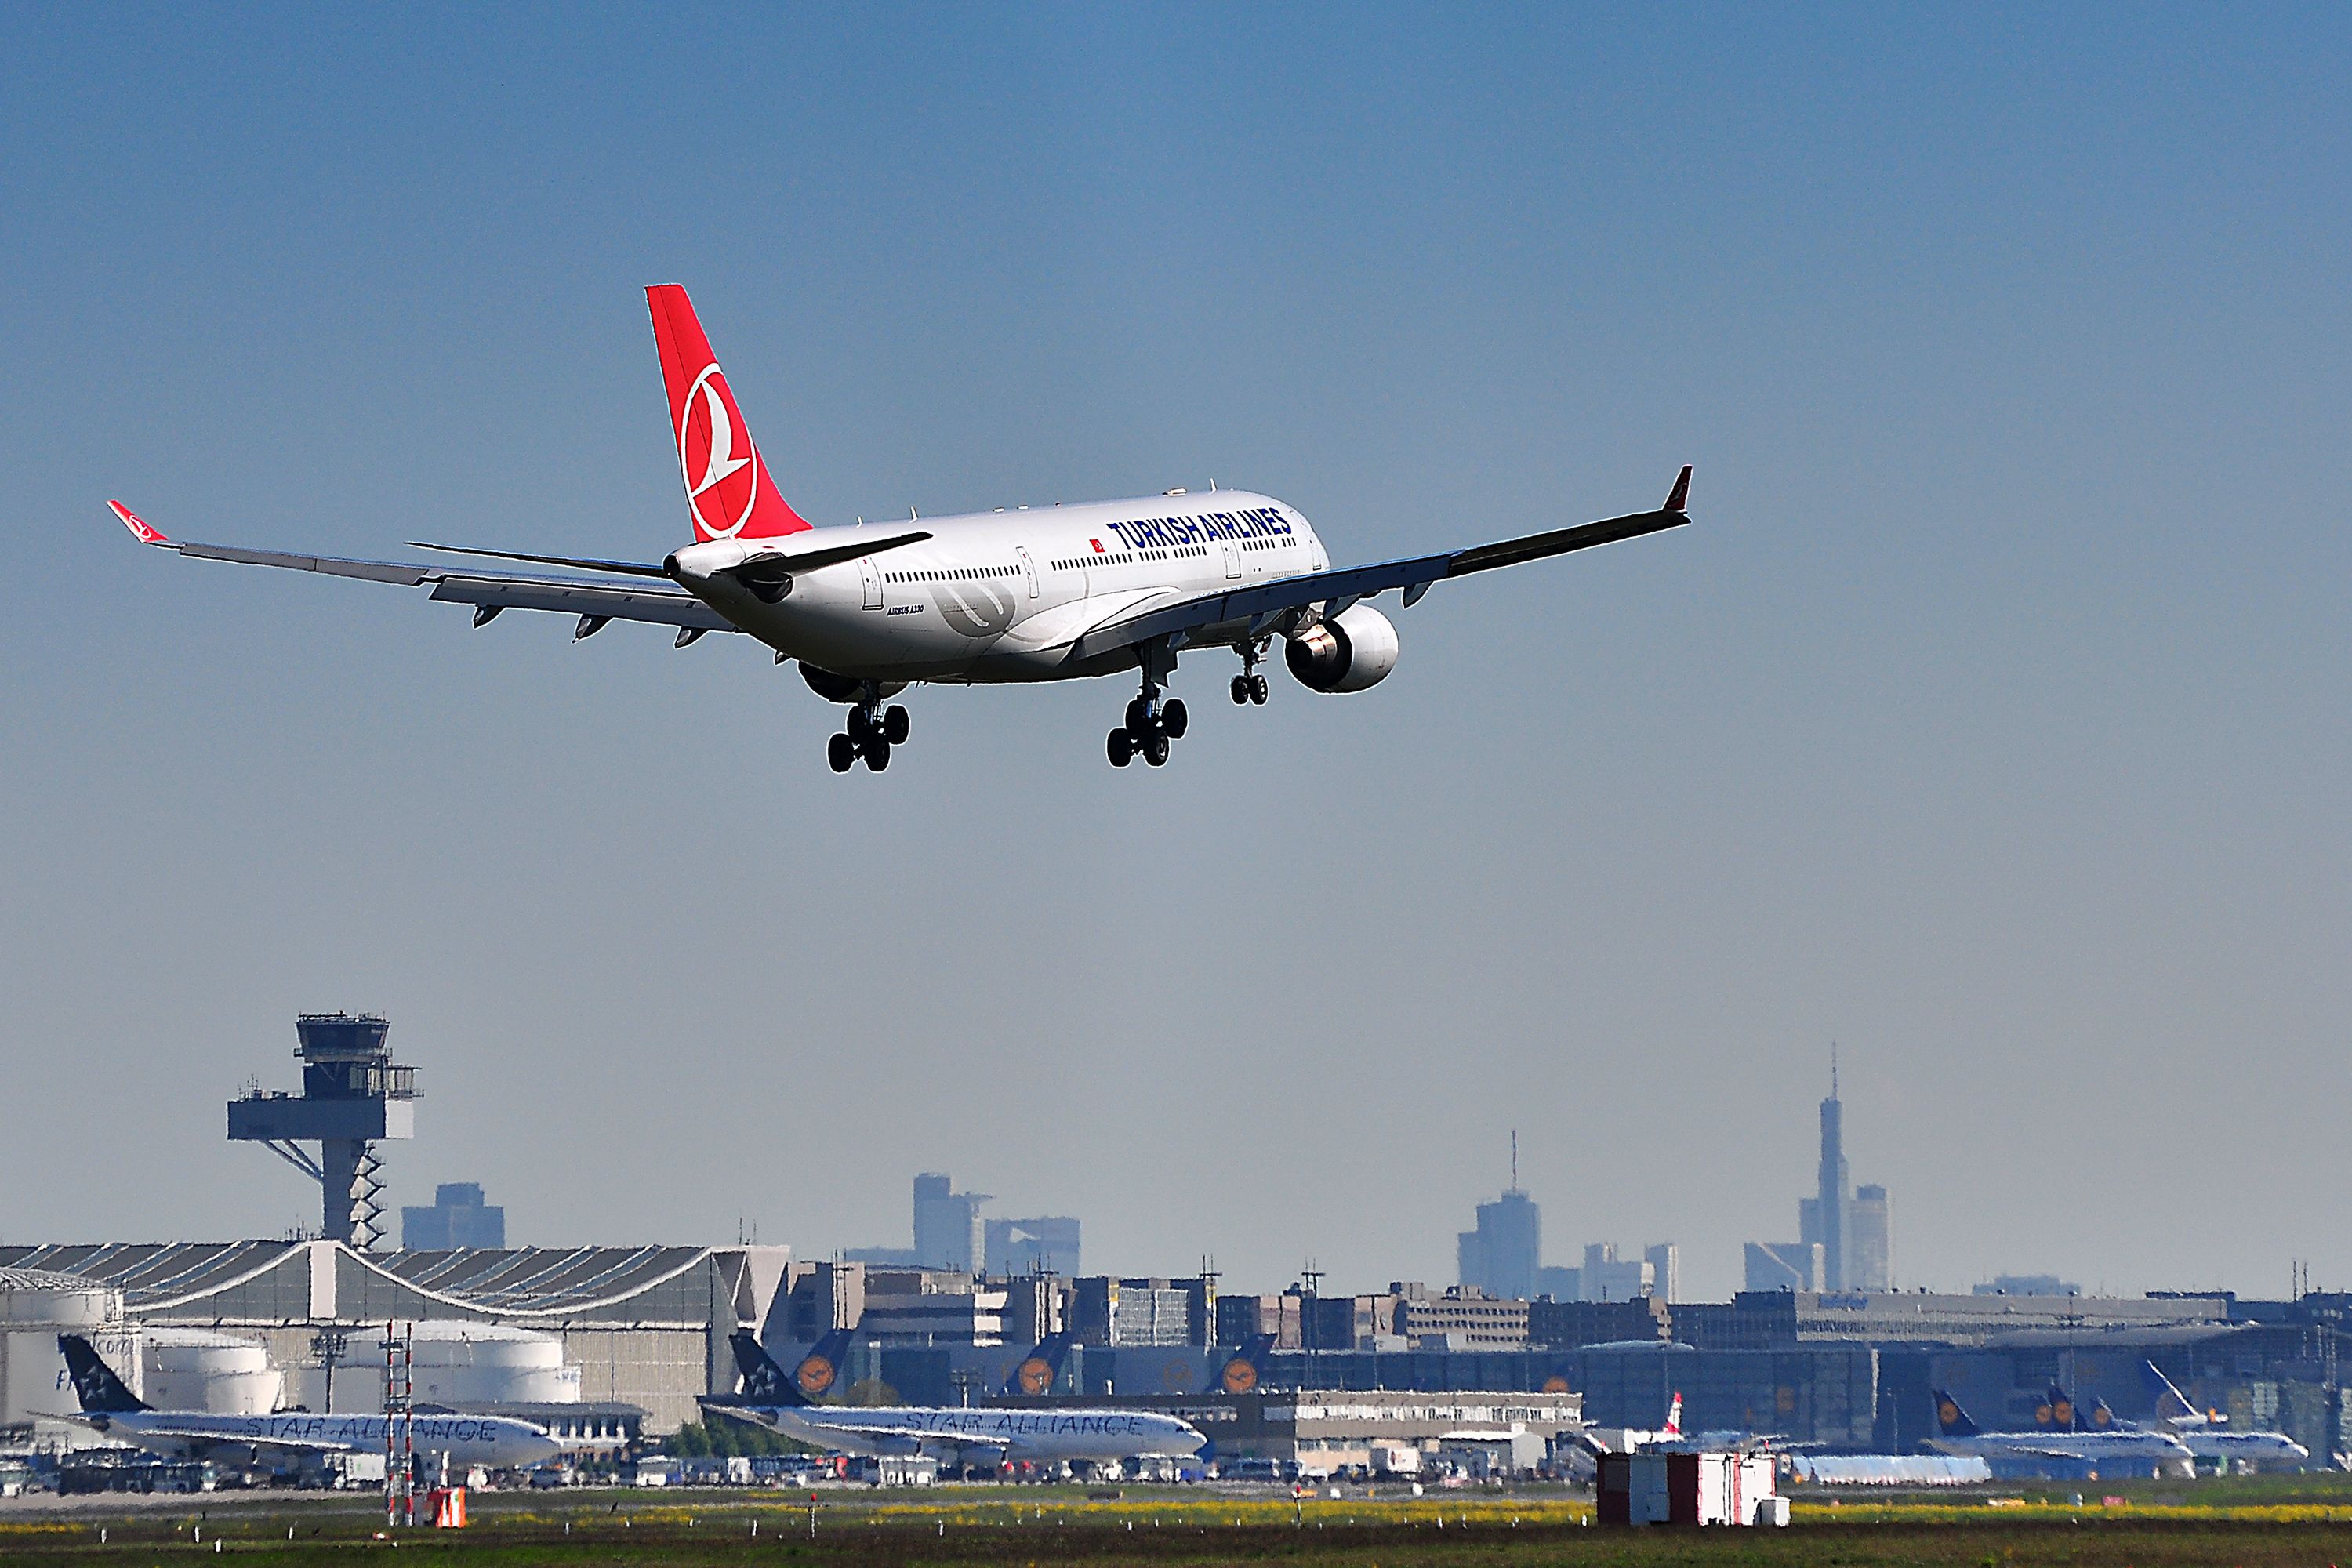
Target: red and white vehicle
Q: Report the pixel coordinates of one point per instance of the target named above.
(1044, 593)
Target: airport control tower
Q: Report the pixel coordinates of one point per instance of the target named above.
(352, 1095)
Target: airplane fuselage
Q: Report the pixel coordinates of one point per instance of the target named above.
(2139, 1447)
(1100, 1437)
(1000, 595)
(496, 1441)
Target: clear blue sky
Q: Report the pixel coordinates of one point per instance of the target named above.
(1990, 720)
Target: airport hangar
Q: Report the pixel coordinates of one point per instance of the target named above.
(647, 1327)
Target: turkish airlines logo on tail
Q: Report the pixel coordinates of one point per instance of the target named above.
(722, 484)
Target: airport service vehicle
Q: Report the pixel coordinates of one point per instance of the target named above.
(1035, 594)
(108, 1406)
(2142, 1450)
(986, 1436)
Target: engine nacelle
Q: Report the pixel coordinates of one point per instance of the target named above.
(842, 688)
(1348, 654)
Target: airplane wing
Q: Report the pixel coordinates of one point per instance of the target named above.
(918, 1439)
(595, 602)
(1265, 606)
(150, 1429)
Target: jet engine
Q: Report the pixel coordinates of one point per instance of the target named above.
(1349, 652)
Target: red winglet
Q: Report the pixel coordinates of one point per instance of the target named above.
(139, 531)
(1678, 498)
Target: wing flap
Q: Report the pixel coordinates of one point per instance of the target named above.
(565, 596)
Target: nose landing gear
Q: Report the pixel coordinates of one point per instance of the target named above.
(869, 733)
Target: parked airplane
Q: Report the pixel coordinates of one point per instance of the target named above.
(988, 1436)
(2203, 1435)
(1961, 1436)
(108, 1407)
(1048, 593)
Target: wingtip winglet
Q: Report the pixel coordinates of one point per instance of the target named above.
(140, 530)
(1678, 498)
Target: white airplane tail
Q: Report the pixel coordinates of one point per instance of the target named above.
(1674, 1427)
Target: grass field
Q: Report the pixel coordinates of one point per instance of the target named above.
(2258, 1522)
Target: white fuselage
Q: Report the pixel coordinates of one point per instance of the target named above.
(2120, 1446)
(498, 1442)
(2276, 1450)
(1000, 595)
(1102, 1437)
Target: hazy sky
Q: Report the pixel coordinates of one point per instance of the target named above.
(1990, 720)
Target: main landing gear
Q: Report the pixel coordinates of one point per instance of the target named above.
(871, 731)
(1150, 725)
(1249, 686)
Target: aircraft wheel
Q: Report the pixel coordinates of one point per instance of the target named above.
(1138, 717)
(1123, 747)
(1243, 689)
(1155, 749)
(1173, 719)
(894, 725)
(861, 728)
(877, 754)
(1258, 689)
(841, 752)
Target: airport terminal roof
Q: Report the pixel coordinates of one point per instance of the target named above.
(526, 1281)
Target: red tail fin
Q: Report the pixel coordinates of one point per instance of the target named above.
(727, 484)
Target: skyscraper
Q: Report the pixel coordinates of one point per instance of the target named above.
(1869, 1241)
(1827, 1211)
(948, 1230)
(1850, 1226)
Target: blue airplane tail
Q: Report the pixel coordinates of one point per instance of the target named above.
(1240, 1371)
(2064, 1416)
(1034, 1373)
(1952, 1421)
(101, 1392)
(813, 1377)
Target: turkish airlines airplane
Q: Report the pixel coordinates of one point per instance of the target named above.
(1038, 593)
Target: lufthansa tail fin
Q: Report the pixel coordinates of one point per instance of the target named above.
(813, 1377)
(1240, 1371)
(1952, 1421)
(2064, 1417)
(1036, 1371)
(727, 486)
(101, 1392)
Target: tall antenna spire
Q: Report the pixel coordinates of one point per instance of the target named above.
(1833, 1069)
(1514, 1159)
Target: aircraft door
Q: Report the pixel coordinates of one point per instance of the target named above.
(1028, 568)
(1233, 558)
(872, 579)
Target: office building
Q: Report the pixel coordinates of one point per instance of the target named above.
(1869, 1239)
(948, 1230)
(456, 1217)
(1046, 1244)
(1850, 1226)
(1783, 1266)
(1501, 1257)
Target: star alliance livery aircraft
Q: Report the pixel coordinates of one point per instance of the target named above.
(108, 1406)
(987, 1436)
(1050, 593)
